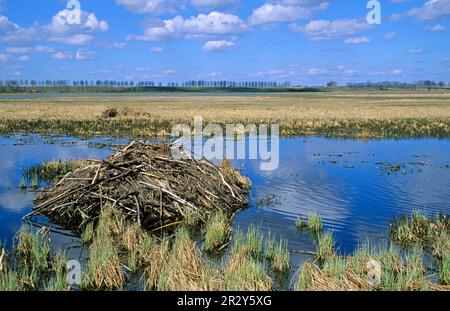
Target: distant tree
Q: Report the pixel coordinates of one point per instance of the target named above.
(331, 84)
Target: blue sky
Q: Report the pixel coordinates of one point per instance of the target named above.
(307, 42)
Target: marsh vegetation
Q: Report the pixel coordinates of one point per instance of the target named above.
(356, 114)
(399, 266)
(120, 251)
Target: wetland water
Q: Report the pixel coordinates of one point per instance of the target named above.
(357, 186)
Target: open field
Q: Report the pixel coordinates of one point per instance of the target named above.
(376, 114)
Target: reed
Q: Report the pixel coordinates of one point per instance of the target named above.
(33, 250)
(325, 246)
(185, 270)
(315, 222)
(104, 269)
(429, 233)
(217, 233)
(32, 256)
(192, 218)
(406, 274)
(10, 282)
(49, 172)
(305, 276)
(398, 272)
(58, 279)
(23, 184)
(34, 182)
(441, 244)
(131, 240)
(246, 274)
(3, 260)
(277, 252)
(411, 230)
(299, 225)
(444, 269)
(254, 244)
(154, 257)
(88, 233)
(110, 222)
(335, 267)
(345, 115)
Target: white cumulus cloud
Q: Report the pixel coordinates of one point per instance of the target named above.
(436, 28)
(431, 10)
(390, 36)
(157, 49)
(218, 46)
(269, 13)
(78, 39)
(154, 7)
(326, 30)
(213, 4)
(198, 27)
(62, 56)
(84, 54)
(357, 40)
(58, 30)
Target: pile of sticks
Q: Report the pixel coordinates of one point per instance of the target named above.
(145, 183)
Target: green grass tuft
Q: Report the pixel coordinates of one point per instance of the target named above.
(248, 275)
(217, 233)
(299, 225)
(325, 246)
(88, 233)
(304, 276)
(23, 184)
(58, 280)
(444, 269)
(315, 222)
(10, 282)
(278, 254)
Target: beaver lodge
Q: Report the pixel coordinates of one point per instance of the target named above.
(146, 184)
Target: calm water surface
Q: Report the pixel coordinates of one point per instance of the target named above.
(346, 181)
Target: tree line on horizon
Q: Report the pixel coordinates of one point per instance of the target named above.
(112, 85)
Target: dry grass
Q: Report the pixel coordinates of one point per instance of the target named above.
(444, 269)
(104, 269)
(58, 280)
(185, 270)
(154, 257)
(339, 114)
(245, 273)
(428, 232)
(217, 232)
(51, 171)
(277, 252)
(2, 260)
(33, 249)
(325, 246)
(398, 272)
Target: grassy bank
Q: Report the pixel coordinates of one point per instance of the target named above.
(119, 251)
(418, 253)
(364, 115)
